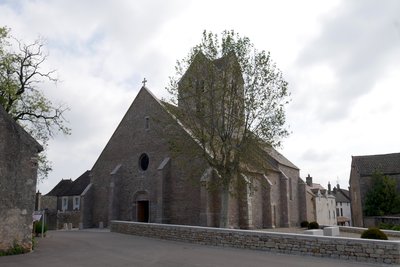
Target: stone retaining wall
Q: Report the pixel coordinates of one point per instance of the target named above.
(375, 251)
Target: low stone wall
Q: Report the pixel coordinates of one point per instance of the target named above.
(73, 217)
(359, 230)
(334, 247)
(375, 221)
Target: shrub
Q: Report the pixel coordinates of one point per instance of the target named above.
(37, 228)
(304, 224)
(386, 226)
(15, 250)
(374, 233)
(313, 225)
(396, 228)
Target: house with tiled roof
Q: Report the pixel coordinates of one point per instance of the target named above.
(320, 203)
(343, 205)
(64, 203)
(362, 169)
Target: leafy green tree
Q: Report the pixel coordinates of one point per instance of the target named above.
(232, 117)
(21, 73)
(382, 198)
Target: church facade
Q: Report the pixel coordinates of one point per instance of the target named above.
(141, 175)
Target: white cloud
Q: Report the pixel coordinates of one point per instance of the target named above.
(340, 58)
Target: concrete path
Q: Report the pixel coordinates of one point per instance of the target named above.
(101, 248)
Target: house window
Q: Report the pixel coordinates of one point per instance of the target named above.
(143, 162)
(77, 202)
(147, 123)
(64, 205)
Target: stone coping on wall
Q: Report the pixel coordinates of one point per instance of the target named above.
(355, 249)
(360, 230)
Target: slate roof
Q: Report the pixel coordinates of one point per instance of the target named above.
(385, 163)
(61, 188)
(279, 157)
(341, 195)
(270, 156)
(71, 188)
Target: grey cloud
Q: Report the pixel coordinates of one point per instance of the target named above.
(360, 42)
(315, 156)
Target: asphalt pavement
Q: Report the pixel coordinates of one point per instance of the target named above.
(103, 248)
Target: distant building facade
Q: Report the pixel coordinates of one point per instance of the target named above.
(65, 203)
(362, 169)
(18, 177)
(321, 204)
(343, 205)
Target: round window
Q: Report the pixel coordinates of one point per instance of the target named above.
(144, 161)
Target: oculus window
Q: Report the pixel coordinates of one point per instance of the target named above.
(143, 162)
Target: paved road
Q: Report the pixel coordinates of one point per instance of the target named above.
(102, 248)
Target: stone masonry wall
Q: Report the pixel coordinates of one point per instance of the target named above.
(18, 175)
(334, 247)
(181, 194)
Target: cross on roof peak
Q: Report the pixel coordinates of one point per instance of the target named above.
(144, 82)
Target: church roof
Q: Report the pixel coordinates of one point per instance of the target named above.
(261, 151)
(279, 157)
(71, 188)
(384, 163)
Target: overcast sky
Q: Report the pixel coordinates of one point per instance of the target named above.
(341, 59)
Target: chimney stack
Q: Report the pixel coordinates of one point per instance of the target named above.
(38, 201)
(309, 180)
(329, 187)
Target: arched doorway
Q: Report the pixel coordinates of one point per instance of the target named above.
(141, 207)
(142, 211)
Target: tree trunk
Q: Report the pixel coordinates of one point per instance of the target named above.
(223, 217)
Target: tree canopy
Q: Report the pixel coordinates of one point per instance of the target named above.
(21, 73)
(382, 198)
(233, 98)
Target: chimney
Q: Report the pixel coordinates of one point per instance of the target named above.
(329, 188)
(38, 201)
(309, 180)
(338, 186)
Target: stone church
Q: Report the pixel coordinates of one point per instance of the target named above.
(141, 176)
